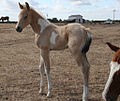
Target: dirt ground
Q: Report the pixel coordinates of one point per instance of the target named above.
(19, 61)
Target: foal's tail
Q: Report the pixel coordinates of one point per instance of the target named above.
(87, 43)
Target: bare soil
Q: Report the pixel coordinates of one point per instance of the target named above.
(19, 61)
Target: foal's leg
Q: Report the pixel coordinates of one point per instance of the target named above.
(45, 55)
(79, 57)
(85, 70)
(41, 69)
(47, 70)
(83, 63)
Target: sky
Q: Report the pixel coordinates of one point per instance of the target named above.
(61, 9)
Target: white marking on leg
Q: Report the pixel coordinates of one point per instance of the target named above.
(85, 93)
(53, 38)
(85, 88)
(49, 82)
(114, 67)
(43, 23)
(49, 85)
(41, 69)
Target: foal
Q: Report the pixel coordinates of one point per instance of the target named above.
(112, 87)
(52, 37)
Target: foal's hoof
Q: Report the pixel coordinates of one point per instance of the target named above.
(41, 92)
(49, 95)
(85, 99)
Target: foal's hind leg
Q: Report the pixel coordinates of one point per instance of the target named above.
(85, 70)
(83, 63)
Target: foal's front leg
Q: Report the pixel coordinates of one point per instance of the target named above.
(45, 55)
(41, 69)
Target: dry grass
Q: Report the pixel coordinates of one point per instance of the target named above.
(19, 60)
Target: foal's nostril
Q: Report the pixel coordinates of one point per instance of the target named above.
(18, 29)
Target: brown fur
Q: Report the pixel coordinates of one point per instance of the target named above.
(116, 49)
(116, 57)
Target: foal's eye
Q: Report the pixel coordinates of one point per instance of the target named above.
(25, 17)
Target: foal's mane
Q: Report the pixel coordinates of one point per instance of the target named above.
(40, 13)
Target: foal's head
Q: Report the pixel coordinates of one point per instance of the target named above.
(25, 17)
(112, 87)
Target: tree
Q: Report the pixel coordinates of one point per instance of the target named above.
(55, 20)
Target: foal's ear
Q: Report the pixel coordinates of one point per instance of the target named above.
(21, 6)
(114, 48)
(27, 5)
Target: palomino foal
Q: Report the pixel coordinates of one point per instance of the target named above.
(112, 87)
(51, 37)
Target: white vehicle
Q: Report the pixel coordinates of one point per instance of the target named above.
(108, 21)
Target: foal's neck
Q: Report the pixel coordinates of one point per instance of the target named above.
(39, 23)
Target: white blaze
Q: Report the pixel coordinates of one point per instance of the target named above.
(114, 67)
(43, 23)
(53, 38)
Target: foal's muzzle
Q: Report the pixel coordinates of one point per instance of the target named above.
(19, 29)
